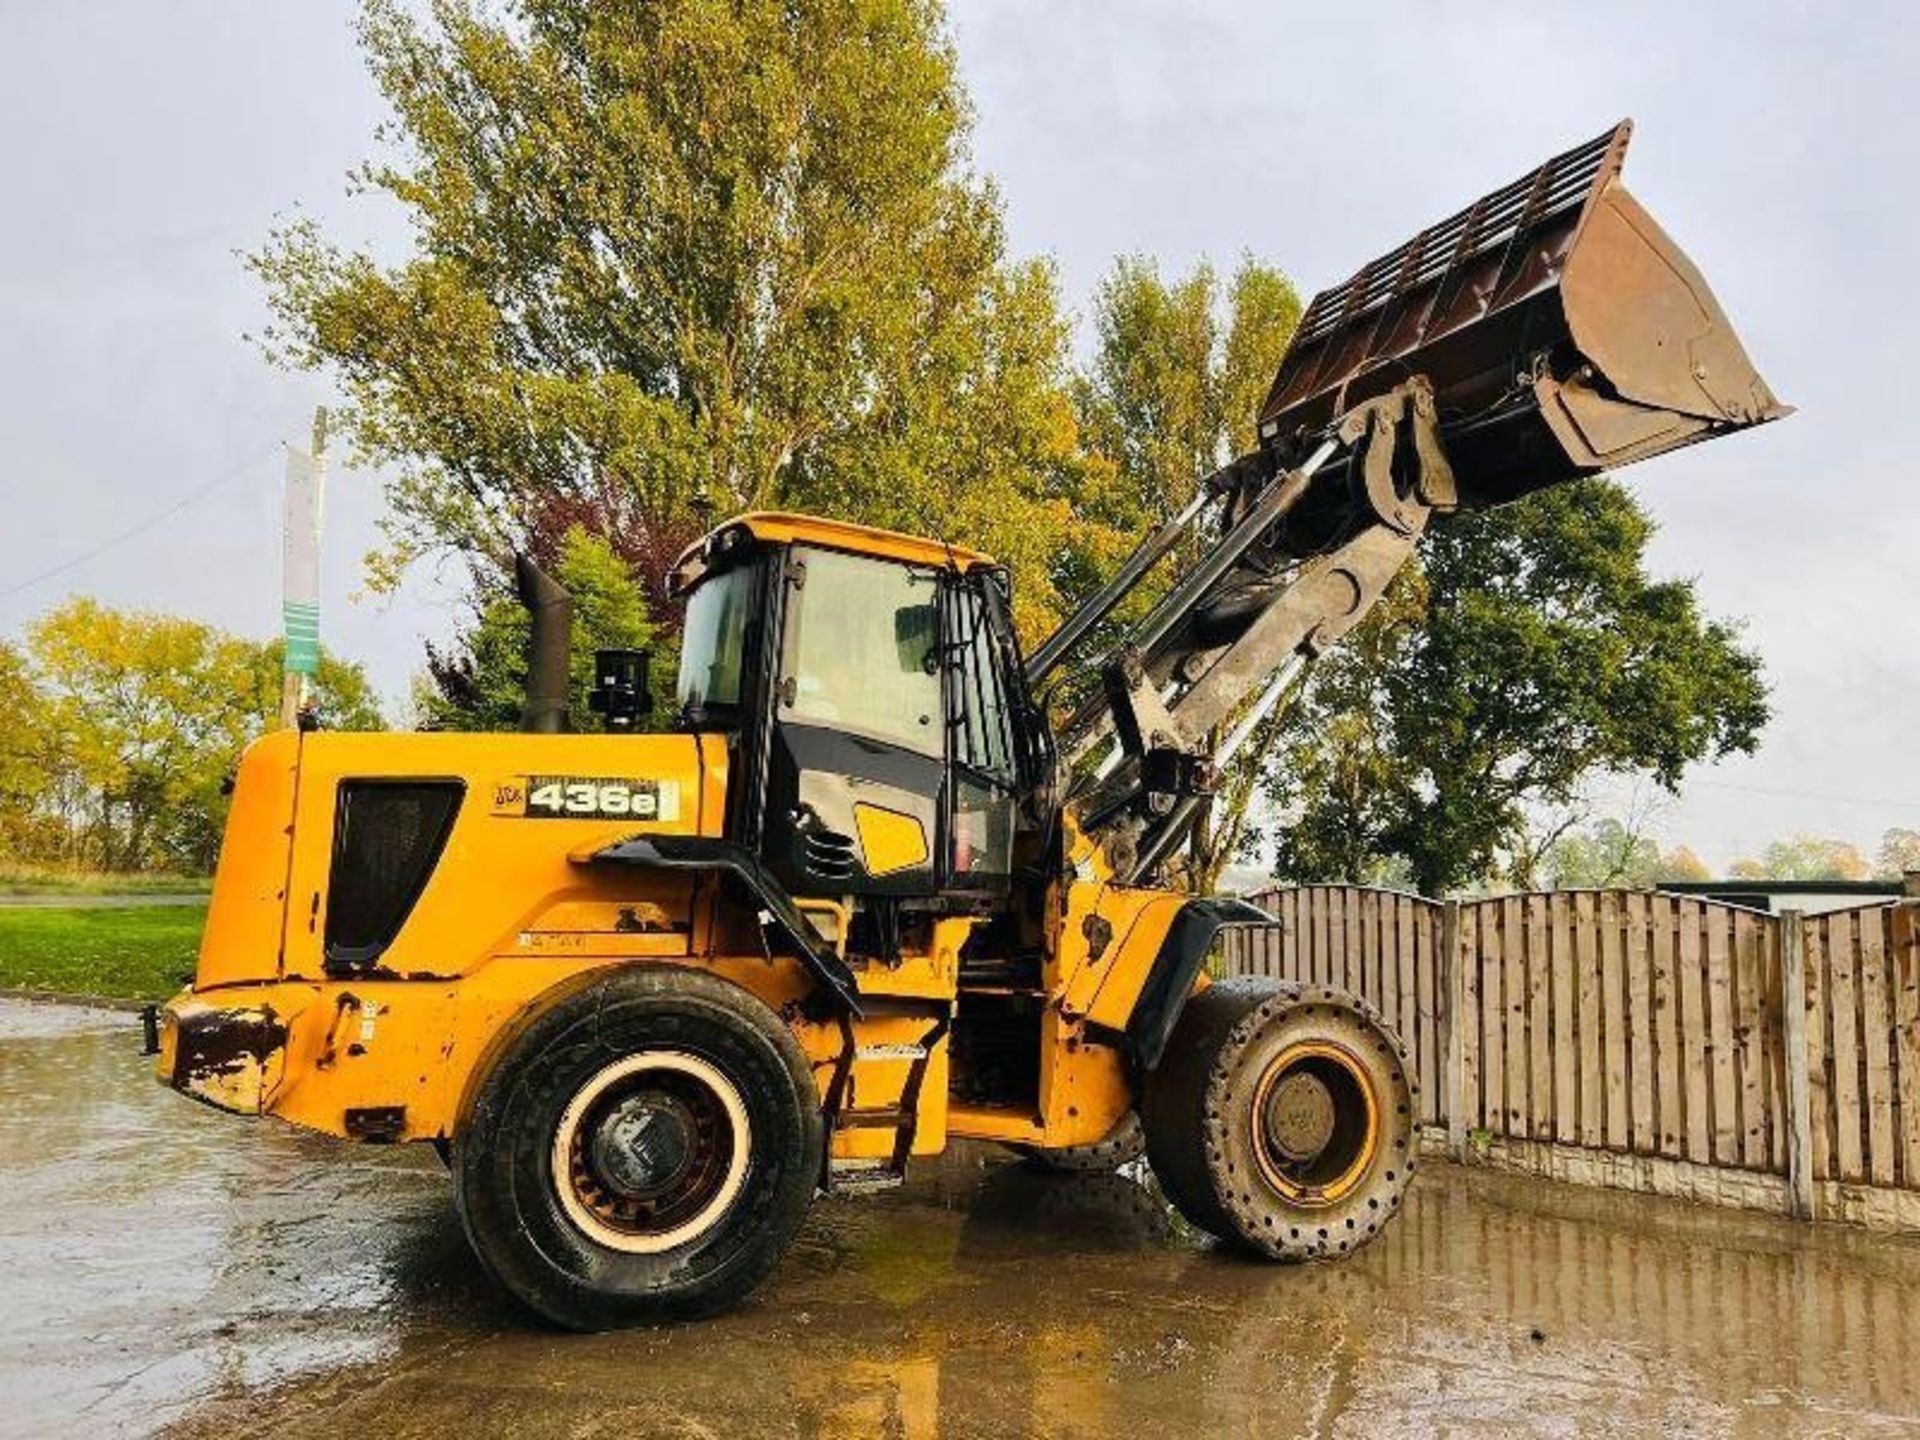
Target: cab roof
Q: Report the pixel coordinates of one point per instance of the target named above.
(779, 527)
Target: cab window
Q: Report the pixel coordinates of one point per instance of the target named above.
(982, 731)
(864, 649)
(713, 644)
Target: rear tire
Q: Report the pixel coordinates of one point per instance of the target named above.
(1282, 1118)
(1125, 1143)
(643, 1151)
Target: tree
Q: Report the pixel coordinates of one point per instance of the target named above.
(1612, 853)
(29, 759)
(481, 684)
(1682, 864)
(684, 255)
(1526, 651)
(1804, 857)
(1899, 853)
(1605, 853)
(1172, 391)
(150, 714)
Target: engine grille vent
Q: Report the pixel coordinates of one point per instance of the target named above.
(387, 838)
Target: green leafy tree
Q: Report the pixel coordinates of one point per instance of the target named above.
(1605, 853)
(1805, 857)
(481, 683)
(1177, 374)
(680, 255)
(150, 713)
(1899, 853)
(1610, 853)
(29, 762)
(1173, 390)
(1526, 652)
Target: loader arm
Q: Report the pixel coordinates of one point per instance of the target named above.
(1549, 331)
(1228, 638)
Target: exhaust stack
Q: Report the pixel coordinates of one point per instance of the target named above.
(1562, 330)
(549, 647)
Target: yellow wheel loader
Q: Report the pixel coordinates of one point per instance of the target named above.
(651, 993)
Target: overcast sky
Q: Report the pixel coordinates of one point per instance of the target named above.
(142, 145)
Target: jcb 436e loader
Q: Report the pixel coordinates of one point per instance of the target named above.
(649, 993)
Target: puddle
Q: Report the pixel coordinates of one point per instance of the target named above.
(173, 1269)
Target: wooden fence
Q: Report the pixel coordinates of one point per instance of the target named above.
(1641, 1039)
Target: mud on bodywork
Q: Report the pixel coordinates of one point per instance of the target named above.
(229, 1057)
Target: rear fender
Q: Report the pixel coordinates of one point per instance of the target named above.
(781, 919)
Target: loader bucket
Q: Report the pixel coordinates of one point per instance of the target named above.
(1562, 332)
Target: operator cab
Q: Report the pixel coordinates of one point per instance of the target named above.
(882, 738)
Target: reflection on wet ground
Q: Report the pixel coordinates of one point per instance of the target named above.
(168, 1268)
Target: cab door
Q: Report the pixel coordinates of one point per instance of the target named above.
(856, 766)
(981, 745)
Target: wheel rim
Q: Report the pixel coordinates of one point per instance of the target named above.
(651, 1151)
(1316, 1123)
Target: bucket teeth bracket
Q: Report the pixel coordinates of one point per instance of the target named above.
(1401, 491)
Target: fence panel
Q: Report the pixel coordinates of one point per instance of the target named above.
(1583, 1029)
(1818, 984)
(1646, 1025)
(1642, 1118)
(1430, 987)
(1539, 1018)
(1693, 1053)
(1903, 962)
(1566, 1053)
(1724, 1091)
(1863, 1044)
(1842, 1022)
(1670, 1121)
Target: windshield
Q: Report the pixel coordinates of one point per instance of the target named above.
(713, 644)
(866, 650)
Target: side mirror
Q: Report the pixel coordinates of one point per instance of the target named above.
(620, 691)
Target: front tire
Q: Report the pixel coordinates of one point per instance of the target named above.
(1282, 1118)
(643, 1151)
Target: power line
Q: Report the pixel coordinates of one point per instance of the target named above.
(192, 497)
(1809, 795)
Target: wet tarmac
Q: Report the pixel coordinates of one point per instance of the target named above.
(169, 1269)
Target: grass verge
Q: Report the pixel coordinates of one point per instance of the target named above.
(39, 880)
(135, 952)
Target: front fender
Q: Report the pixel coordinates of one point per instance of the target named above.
(1177, 965)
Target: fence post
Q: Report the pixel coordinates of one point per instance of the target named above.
(1453, 1089)
(1793, 1034)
